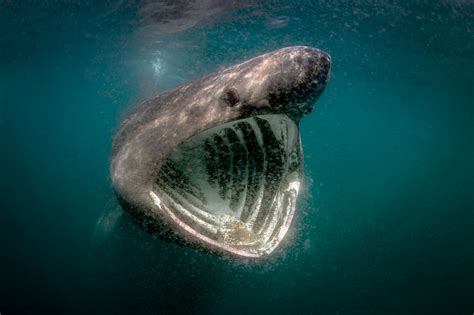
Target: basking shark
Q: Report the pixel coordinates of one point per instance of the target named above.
(219, 161)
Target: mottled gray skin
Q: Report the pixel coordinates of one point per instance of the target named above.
(285, 81)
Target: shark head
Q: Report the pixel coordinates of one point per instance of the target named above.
(219, 160)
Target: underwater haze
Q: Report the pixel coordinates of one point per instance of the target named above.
(385, 224)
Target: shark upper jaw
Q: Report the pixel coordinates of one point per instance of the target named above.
(233, 187)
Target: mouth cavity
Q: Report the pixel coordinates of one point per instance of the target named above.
(234, 187)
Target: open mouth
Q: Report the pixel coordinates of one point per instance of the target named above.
(234, 186)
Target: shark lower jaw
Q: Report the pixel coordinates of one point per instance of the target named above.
(234, 187)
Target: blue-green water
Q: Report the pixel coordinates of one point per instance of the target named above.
(386, 224)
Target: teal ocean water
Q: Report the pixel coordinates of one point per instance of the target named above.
(386, 221)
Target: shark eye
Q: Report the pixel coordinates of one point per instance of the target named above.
(231, 97)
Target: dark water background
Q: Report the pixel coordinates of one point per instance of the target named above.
(386, 225)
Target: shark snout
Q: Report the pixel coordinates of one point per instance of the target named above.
(319, 63)
(315, 63)
(324, 66)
